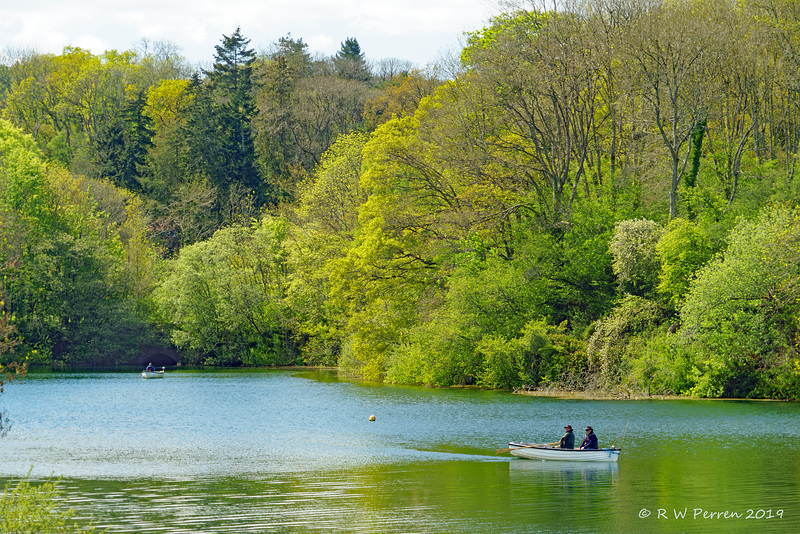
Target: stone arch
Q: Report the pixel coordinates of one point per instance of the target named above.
(159, 357)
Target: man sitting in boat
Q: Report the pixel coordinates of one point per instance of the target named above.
(568, 439)
(590, 442)
(150, 368)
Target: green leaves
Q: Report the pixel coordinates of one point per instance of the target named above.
(73, 255)
(23, 188)
(636, 263)
(26, 507)
(742, 311)
(225, 297)
(682, 250)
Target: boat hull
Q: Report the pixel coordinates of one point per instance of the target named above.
(152, 374)
(542, 452)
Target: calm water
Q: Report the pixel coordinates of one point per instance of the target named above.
(295, 452)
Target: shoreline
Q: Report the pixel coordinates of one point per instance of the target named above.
(605, 395)
(594, 395)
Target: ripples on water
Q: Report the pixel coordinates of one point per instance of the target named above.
(283, 451)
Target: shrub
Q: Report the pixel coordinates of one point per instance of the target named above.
(608, 343)
(26, 508)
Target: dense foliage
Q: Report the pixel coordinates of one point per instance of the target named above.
(599, 197)
(27, 508)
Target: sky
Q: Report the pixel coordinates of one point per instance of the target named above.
(414, 30)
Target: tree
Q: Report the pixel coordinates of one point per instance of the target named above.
(682, 250)
(387, 69)
(219, 125)
(671, 49)
(122, 146)
(166, 108)
(160, 61)
(327, 214)
(27, 104)
(232, 84)
(609, 345)
(350, 63)
(535, 94)
(741, 313)
(224, 297)
(275, 125)
(636, 262)
(295, 54)
(68, 259)
(399, 97)
(305, 120)
(9, 371)
(330, 200)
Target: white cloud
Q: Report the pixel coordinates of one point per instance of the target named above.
(411, 29)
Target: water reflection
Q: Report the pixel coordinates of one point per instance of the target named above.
(278, 451)
(525, 467)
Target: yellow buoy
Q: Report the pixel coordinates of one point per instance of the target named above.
(371, 417)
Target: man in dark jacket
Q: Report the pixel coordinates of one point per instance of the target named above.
(590, 442)
(568, 439)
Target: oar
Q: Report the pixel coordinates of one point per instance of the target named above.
(501, 451)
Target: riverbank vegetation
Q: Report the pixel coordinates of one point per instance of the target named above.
(601, 196)
(27, 507)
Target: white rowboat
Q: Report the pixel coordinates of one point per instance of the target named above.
(544, 452)
(153, 374)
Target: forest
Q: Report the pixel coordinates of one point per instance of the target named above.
(598, 198)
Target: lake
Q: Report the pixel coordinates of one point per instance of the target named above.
(294, 451)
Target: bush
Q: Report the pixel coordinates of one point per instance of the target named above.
(609, 341)
(633, 247)
(542, 355)
(682, 250)
(741, 313)
(436, 354)
(33, 509)
(659, 364)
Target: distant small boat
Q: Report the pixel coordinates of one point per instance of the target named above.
(545, 452)
(153, 374)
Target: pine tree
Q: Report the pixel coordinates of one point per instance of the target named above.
(205, 146)
(350, 63)
(294, 53)
(225, 113)
(122, 145)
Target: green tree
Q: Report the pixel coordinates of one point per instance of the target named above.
(10, 371)
(27, 508)
(219, 130)
(608, 346)
(74, 259)
(636, 263)
(225, 297)
(330, 199)
(350, 63)
(122, 146)
(682, 250)
(533, 94)
(670, 50)
(169, 169)
(399, 97)
(327, 215)
(741, 313)
(232, 82)
(160, 61)
(276, 124)
(28, 104)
